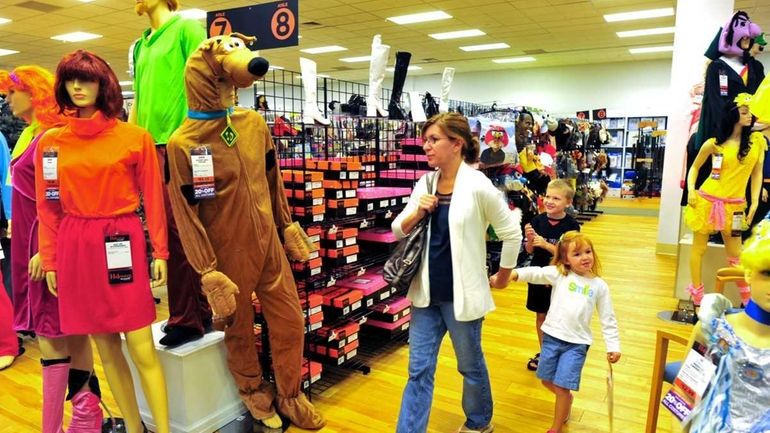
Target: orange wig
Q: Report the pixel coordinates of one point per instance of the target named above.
(38, 83)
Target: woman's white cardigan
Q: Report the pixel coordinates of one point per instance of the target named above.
(476, 203)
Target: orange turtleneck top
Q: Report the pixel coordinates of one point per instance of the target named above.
(103, 166)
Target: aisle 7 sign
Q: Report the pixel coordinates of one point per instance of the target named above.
(275, 24)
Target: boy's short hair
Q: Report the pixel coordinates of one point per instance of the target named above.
(563, 186)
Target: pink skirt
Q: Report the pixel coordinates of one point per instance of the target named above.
(88, 303)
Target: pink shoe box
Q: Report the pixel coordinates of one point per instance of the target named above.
(392, 310)
(372, 287)
(381, 328)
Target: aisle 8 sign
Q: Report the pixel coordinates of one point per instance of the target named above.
(275, 24)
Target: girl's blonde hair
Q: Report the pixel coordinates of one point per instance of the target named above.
(580, 240)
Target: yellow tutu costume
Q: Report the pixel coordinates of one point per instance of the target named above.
(729, 189)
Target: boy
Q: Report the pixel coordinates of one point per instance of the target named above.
(542, 234)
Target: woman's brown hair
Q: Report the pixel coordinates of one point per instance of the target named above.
(456, 126)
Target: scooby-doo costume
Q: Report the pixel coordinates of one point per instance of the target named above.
(232, 239)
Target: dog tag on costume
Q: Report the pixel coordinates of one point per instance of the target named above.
(716, 166)
(119, 265)
(229, 135)
(51, 173)
(202, 163)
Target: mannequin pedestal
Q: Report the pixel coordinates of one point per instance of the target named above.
(713, 259)
(202, 396)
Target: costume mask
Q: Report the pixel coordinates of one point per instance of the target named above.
(737, 28)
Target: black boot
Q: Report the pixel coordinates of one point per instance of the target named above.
(395, 112)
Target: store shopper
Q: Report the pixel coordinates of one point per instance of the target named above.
(718, 205)
(67, 360)
(541, 236)
(89, 175)
(577, 292)
(160, 106)
(450, 292)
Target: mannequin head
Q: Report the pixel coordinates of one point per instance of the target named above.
(738, 34)
(755, 259)
(737, 118)
(30, 94)
(149, 6)
(90, 77)
(524, 125)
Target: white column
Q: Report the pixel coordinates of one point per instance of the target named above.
(697, 21)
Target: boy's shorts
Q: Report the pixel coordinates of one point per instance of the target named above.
(538, 298)
(561, 362)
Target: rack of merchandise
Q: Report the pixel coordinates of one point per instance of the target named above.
(345, 183)
(643, 161)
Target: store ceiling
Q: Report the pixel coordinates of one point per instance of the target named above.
(555, 32)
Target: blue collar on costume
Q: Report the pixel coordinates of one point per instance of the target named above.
(757, 313)
(208, 115)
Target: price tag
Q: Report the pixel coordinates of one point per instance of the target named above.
(737, 226)
(331, 282)
(51, 173)
(723, 87)
(716, 166)
(333, 229)
(202, 163)
(350, 259)
(351, 211)
(361, 272)
(364, 224)
(119, 265)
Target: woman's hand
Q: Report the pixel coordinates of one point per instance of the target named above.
(613, 357)
(428, 203)
(159, 273)
(50, 279)
(35, 268)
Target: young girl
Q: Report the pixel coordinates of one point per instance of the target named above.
(577, 291)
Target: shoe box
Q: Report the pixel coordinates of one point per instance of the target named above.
(371, 285)
(335, 344)
(392, 310)
(340, 301)
(383, 198)
(383, 329)
(311, 372)
(312, 309)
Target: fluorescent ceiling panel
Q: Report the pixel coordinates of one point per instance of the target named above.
(639, 15)
(195, 14)
(645, 50)
(458, 34)
(410, 68)
(76, 37)
(645, 32)
(515, 60)
(355, 59)
(484, 47)
(4, 52)
(420, 18)
(326, 49)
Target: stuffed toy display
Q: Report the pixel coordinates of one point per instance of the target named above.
(739, 344)
(497, 140)
(718, 204)
(228, 200)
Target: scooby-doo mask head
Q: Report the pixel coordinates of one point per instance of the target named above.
(229, 58)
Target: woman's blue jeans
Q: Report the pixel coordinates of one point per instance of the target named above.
(427, 329)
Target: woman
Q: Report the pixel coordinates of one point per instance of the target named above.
(450, 291)
(718, 205)
(64, 358)
(89, 175)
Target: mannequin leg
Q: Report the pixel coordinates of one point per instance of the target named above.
(142, 350)
(733, 250)
(119, 378)
(9, 345)
(56, 364)
(699, 244)
(84, 393)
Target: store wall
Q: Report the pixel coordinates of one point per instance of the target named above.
(629, 88)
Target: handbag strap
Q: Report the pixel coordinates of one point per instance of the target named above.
(430, 178)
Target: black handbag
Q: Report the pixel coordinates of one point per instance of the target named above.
(405, 261)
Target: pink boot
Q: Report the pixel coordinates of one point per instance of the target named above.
(86, 414)
(696, 293)
(55, 373)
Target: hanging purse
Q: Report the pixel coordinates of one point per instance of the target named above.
(405, 261)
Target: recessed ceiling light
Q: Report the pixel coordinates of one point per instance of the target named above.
(515, 60)
(639, 15)
(126, 83)
(4, 20)
(483, 47)
(194, 14)
(410, 68)
(4, 52)
(646, 50)
(321, 50)
(420, 18)
(457, 34)
(355, 59)
(76, 37)
(645, 32)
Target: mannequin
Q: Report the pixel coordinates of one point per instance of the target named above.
(726, 76)
(719, 204)
(65, 358)
(160, 106)
(88, 177)
(737, 399)
(524, 125)
(247, 194)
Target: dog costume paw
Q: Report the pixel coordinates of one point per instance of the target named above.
(220, 292)
(296, 243)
